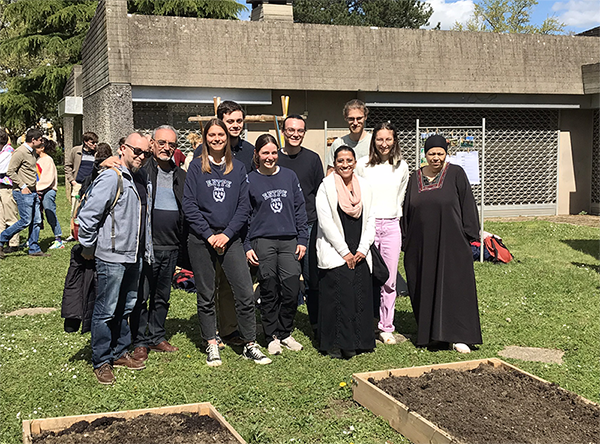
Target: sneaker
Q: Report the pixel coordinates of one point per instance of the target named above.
(70, 239)
(252, 351)
(213, 357)
(58, 244)
(127, 361)
(234, 339)
(104, 374)
(291, 343)
(220, 342)
(461, 348)
(387, 338)
(274, 346)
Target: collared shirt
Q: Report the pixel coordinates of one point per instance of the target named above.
(5, 155)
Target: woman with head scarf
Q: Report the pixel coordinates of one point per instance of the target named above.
(345, 234)
(439, 219)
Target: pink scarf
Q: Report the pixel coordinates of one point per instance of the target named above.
(349, 202)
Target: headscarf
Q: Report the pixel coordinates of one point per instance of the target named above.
(436, 141)
(350, 203)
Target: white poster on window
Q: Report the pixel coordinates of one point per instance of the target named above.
(469, 161)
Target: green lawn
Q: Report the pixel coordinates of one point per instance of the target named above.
(547, 297)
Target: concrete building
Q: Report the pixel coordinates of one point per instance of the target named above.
(539, 95)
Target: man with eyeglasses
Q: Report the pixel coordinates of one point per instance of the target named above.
(308, 167)
(115, 230)
(355, 114)
(232, 114)
(168, 236)
(79, 164)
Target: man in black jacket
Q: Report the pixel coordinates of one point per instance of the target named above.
(148, 320)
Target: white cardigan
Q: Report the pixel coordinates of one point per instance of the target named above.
(331, 244)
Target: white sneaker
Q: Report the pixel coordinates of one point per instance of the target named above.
(274, 346)
(387, 337)
(461, 348)
(291, 343)
(57, 245)
(252, 351)
(213, 357)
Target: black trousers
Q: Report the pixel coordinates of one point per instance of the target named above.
(150, 312)
(279, 281)
(204, 261)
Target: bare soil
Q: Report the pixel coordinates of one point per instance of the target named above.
(497, 405)
(174, 428)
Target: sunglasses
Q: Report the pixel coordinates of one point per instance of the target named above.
(137, 152)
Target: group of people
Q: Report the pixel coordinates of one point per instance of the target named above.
(28, 185)
(269, 211)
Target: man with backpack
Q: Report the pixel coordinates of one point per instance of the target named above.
(112, 224)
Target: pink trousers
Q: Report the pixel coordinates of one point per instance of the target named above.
(388, 241)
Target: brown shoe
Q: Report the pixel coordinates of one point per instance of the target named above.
(164, 346)
(140, 353)
(104, 374)
(127, 361)
(39, 254)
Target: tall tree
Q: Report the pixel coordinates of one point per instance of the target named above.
(508, 16)
(215, 9)
(381, 13)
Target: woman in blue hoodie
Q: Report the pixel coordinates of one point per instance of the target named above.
(216, 206)
(276, 242)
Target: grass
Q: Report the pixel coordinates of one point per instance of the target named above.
(547, 297)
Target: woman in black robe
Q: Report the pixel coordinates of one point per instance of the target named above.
(439, 220)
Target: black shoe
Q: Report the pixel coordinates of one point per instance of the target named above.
(2, 255)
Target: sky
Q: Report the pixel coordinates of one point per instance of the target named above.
(577, 15)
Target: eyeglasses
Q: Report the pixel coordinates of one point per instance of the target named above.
(137, 152)
(292, 131)
(162, 143)
(357, 119)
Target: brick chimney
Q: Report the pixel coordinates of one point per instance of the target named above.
(271, 10)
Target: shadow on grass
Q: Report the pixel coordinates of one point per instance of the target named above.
(596, 268)
(587, 246)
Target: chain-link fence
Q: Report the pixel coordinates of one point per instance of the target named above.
(596, 160)
(521, 147)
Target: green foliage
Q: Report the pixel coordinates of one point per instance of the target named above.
(508, 16)
(381, 13)
(215, 9)
(40, 42)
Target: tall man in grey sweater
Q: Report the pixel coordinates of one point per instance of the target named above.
(113, 238)
(23, 173)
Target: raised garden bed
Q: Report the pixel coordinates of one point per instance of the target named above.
(482, 401)
(201, 421)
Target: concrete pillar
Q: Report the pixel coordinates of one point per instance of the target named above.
(271, 10)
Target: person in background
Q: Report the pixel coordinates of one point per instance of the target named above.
(9, 213)
(355, 114)
(276, 242)
(216, 206)
(387, 175)
(22, 171)
(308, 167)
(439, 220)
(46, 188)
(346, 232)
(79, 163)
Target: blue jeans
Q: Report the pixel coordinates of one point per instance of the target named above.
(49, 205)
(30, 216)
(116, 295)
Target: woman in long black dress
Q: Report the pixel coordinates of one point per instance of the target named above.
(345, 234)
(439, 221)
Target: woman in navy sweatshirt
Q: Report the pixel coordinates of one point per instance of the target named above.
(276, 242)
(216, 206)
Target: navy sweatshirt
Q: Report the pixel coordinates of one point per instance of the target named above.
(214, 202)
(278, 209)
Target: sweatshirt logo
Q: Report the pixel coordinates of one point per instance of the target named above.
(218, 186)
(275, 197)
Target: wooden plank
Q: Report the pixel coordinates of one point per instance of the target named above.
(259, 118)
(37, 426)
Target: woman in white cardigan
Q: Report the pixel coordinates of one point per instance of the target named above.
(345, 234)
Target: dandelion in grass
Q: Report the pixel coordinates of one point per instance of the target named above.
(342, 384)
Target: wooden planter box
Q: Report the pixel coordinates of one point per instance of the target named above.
(37, 426)
(410, 424)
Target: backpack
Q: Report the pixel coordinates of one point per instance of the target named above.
(86, 195)
(498, 252)
(184, 280)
